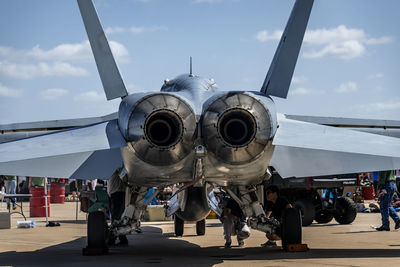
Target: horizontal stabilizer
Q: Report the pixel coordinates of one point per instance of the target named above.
(381, 127)
(99, 164)
(15, 131)
(281, 70)
(113, 84)
(306, 149)
(88, 152)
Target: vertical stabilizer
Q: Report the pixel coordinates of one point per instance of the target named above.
(110, 76)
(282, 67)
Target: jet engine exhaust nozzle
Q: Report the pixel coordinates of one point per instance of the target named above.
(237, 127)
(159, 127)
(163, 128)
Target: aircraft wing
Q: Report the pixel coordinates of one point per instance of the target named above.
(305, 149)
(15, 131)
(381, 127)
(88, 152)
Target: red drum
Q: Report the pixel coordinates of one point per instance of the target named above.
(368, 192)
(57, 192)
(37, 207)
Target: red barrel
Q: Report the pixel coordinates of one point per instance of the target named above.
(37, 207)
(57, 192)
(368, 192)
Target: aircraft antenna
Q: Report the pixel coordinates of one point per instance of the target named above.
(191, 71)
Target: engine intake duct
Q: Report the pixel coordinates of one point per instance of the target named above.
(236, 127)
(159, 128)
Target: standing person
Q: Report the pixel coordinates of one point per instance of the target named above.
(116, 192)
(375, 180)
(274, 207)
(234, 223)
(11, 186)
(2, 183)
(36, 182)
(387, 188)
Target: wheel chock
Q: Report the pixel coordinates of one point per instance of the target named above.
(297, 248)
(94, 251)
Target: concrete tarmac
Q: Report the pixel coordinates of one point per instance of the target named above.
(330, 245)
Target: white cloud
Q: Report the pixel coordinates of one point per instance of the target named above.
(119, 51)
(299, 79)
(9, 92)
(300, 91)
(41, 69)
(57, 61)
(53, 93)
(111, 30)
(135, 29)
(378, 89)
(376, 76)
(347, 87)
(390, 105)
(345, 50)
(68, 52)
(91, 96)
(342, 42)
(138, 30)
(382, 40)
(73, 52)
(264, 36)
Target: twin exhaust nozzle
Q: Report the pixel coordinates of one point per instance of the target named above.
(161, 128)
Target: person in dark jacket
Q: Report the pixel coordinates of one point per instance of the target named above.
(274, 207)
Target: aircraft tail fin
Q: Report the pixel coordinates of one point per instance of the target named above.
(281, 70)
(113, 84)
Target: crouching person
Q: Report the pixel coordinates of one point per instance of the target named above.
(116, 192)
(234, 223)
(274, 207)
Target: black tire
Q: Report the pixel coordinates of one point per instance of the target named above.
(179, 225)
(323, 216)
(291, 227)
(201, 227)
(307, 211)
(346, 211)
(97, 230)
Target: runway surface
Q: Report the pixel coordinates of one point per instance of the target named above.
(330, 245)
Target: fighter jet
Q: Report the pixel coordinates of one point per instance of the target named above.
(195, 135)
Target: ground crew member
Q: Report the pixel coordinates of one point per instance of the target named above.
(116, 192)
(387, 188)
(234, 223)
(274, 207)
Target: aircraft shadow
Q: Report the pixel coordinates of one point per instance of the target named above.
(154, 247)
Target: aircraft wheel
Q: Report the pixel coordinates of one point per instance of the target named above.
(307, 211)
(346, 210)
(291, 227)
(179, 225)
(97, 230)
(201, 227)
(323, 216)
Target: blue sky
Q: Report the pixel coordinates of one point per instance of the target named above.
(348, 67)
